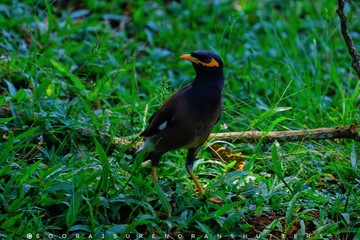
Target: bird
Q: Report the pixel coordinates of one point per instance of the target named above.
(187, 117)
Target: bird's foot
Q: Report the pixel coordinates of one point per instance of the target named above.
(216, 200)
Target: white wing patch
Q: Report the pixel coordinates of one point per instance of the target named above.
(162, 126)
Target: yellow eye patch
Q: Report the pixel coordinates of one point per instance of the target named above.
(212, 63)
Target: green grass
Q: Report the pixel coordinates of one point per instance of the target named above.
(71, 72)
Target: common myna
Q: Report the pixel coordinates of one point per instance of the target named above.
(186, 119)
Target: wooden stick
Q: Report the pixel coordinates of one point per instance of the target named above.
(348, 40)
(350, 132)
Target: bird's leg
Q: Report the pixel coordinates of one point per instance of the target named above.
(189, 165)
(155, 157)
(154, 173)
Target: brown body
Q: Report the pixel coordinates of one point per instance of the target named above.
(187, 118)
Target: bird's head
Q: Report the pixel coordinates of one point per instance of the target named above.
(204, 60)
(207, 64)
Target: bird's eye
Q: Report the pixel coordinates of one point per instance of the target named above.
(207, 59)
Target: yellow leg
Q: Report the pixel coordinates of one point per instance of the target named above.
(154, 173)
(192, 175)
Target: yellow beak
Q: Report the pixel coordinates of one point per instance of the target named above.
(190, 58)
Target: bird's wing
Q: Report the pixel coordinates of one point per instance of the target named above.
(158, 122)
(165, 116)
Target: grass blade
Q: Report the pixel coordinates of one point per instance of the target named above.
(74, 208)
(276, 160)
(205, 229)
(163, 198)
(29, 171)
(12, 222)
(106, 173)
(291, 210)
(77, 82)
